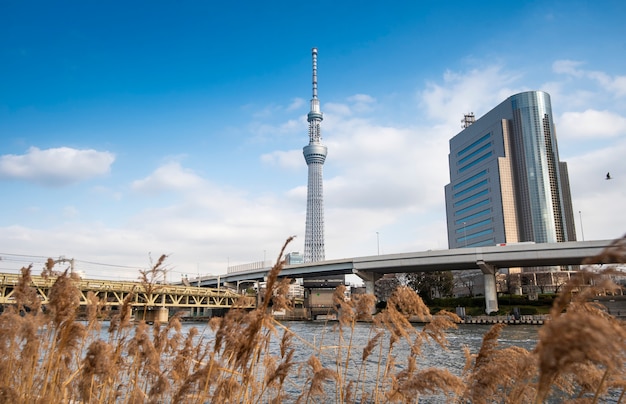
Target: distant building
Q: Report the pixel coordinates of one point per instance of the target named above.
(507, 184)
(293, 258)
(295, 290)
(385, 286)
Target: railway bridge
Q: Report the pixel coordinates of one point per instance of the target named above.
(152, 302)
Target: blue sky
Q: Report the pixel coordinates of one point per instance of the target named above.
(134, 129)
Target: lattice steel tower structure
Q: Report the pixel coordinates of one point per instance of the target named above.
(315, 155)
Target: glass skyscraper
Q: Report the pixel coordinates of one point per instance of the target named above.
(507, 184)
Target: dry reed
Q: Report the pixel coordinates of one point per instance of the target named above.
(47, 355)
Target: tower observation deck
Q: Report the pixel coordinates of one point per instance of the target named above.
(315, 155)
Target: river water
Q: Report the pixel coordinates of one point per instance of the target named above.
(322, 340)
(326, 338)
(319, 333)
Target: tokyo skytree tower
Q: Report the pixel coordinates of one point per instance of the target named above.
(315, 155)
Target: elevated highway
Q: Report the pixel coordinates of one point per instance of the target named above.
(507, 256)
(487, 259)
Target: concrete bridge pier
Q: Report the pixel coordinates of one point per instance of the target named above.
(201, 312)
(491, 292)
(230, 285)
(152, 315)
(369, 280)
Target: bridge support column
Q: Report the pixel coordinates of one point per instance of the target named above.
(369, 280)
(491, 292)
(158, 314)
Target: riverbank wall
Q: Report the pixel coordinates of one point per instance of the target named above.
(511, 320)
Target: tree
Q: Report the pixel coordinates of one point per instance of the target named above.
(469, 280)
(430, 285)
(561, 279)
(544, 281)
(385, 286)
(509, 283)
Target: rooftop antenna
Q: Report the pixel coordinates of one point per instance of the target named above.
(467, 120)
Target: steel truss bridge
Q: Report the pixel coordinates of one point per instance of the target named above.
(113, 293)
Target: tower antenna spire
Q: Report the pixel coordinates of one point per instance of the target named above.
(315, 115)
(314, 51)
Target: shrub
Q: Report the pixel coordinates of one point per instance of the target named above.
(527, 311)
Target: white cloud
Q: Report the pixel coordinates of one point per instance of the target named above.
(168, 177)
(477, 91)
(619, 84)
(297, 193)
(358, 103)
(57, 166)
(568, 67)
(264, 112)
(202, 227)
(70, 212)
(362, 102)
(296, 104)
(362, 98)
(107, 192)
(292, 159)
(591, 124)
(265, 130)
(338, 109)
(613, 84)
(382, 165)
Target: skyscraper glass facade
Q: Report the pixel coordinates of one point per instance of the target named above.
(506, 180)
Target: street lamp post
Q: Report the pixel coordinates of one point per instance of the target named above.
(582, 231)
(377, 244)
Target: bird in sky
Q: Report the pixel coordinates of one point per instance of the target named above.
(608, 176)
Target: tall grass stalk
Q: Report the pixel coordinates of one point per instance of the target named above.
(47, 355)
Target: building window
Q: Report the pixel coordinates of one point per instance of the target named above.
(474, 153)
(474, 162)
(467, 209)
(468, 148)
(471, 198)
(464, 239)
(474, 216)
(473, 187)
(473, 226)
(470, 179)
(490, 241)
